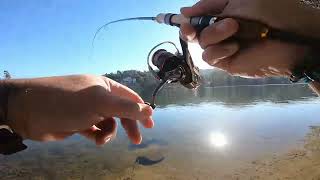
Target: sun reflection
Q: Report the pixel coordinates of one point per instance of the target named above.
(218, 139)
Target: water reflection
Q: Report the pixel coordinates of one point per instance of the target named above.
(232, 96)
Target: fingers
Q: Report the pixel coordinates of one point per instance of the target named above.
(102, 132)
(120, 90)
(188, 33)
(90, 133)
(108, 130)
(218, 32)
(224, 65)
(205, 7)
(210, 38)
(123, 91)
(215, 53)
(115, 106)
(124, 108)
(132, 130)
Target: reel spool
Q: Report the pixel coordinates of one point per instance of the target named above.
(172, 68)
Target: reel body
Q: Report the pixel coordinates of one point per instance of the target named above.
(173, 68)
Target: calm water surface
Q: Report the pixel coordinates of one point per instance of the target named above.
(198, 134)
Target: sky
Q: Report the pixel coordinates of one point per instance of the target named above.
(54, 37)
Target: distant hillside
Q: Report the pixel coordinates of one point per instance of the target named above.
(214, 78)
(141, 81)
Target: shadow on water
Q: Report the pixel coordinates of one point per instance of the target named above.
(144, 161)
(146, 144)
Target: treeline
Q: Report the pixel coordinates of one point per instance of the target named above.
(6, 75)
(137, 80)
(213, 78)
(210, 78)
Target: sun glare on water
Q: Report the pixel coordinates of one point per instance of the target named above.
(218, 140)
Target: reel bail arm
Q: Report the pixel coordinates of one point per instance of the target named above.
(173, 68)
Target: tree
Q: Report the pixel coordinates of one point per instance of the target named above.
(7, 75)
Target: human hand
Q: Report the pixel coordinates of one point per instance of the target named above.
(258, 59)
(54, 108)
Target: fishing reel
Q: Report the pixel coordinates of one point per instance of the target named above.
(172, 68)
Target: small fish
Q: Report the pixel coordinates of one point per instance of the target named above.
(142, 160)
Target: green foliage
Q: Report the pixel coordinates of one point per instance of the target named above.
(140, 80)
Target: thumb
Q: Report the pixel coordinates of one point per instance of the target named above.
(205, 7)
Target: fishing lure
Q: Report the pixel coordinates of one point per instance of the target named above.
(179, 67)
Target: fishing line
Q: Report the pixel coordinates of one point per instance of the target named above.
(114, 22)
(121, 20)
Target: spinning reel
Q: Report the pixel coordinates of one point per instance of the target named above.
(172, 68)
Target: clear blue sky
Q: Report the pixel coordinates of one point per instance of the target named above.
(53, 37)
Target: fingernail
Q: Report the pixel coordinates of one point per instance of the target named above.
(147, 109)
(205, 56)
(148, 123)
(139, 140)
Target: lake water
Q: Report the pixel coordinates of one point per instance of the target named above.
(205, 134)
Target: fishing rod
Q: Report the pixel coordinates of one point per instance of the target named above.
(121, 20)
(179, 67)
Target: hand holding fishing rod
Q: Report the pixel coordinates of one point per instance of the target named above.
(292, 33)
(253, 42)
(179, 67)
(248, 31)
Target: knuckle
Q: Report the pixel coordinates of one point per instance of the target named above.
(87, 77)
